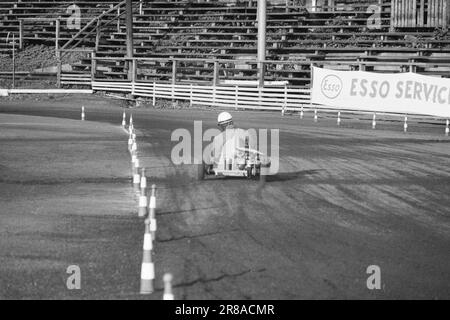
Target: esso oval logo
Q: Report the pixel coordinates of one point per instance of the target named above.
(331, 86)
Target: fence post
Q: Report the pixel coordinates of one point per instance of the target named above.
(361, 66)
(285, 96)
(191, 95)
(311, 68)
(58, 52)
(59, 69)
(260, 96)
(236, 92)
(154, 93)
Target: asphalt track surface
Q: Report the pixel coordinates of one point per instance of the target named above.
(345, 198)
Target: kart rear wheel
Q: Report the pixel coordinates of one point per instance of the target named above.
(201, 171)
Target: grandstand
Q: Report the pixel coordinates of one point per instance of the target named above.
(202, 41)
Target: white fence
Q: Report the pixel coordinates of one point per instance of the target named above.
(244, 97)
(75, 79)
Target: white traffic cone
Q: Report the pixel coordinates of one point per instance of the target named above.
(133, 146)
(130, 141)
(136, 176)
(405, 125)
(152, 212)
(447, 129)
(143, 179)
(168, 294)
(315, 115)
(374, 121)
(148, 268)
(83, 115)
(124, 119)
(133, 158)
(130, 127)
(143, 203)
(339, 119)
(301, 113)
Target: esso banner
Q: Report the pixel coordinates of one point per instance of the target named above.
(408, 93)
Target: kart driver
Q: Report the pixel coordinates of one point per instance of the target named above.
(225, 153)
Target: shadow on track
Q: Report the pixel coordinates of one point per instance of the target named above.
(287, 176)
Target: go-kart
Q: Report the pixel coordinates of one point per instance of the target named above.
(249, 166)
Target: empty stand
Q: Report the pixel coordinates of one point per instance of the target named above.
(344, 34)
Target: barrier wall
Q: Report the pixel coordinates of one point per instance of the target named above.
(405, 93)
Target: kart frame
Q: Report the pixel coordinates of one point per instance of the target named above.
(252, 168)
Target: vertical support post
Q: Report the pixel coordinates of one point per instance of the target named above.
(261, 72)
(133, 75)
(331, 5)
(118, 20)
(14, 62)
(421, 14)
(20, 34)
(93, 65)
(134, 70)
(59, 70)
(262, 14)
(393, 20)
(444, 16)
(97, 35)
(57, 34)
(129, 28)
(216, 73)
(311, 68)
(174, 72)
(313, 5)
(174, 79)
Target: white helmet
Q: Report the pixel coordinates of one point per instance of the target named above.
(224, 118)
